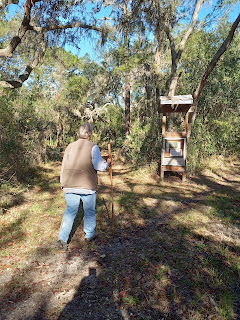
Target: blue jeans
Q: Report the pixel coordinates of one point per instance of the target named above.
(73, 201)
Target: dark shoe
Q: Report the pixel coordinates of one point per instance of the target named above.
(62, 245)
(92, 238)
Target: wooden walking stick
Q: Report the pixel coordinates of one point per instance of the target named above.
(111, 178)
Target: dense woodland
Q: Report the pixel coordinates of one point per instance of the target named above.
(144, 49)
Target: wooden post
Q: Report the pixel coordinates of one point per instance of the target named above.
(186, 131)
(164, 118)
(111, 179)
(162, 174)
(186, 122)
(184, 176)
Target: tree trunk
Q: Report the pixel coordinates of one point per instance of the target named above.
(176, 56)
(127, 103)
(127, 74)
(158, 105)
(59, 132)
(159, 38)
(149, 99)
(148, 89)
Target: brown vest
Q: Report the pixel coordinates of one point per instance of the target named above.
(77, 167)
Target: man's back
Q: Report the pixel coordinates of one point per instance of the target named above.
(77, 167)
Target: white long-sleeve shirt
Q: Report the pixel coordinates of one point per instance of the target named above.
(98, 164)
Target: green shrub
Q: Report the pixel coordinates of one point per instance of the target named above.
(143, 144)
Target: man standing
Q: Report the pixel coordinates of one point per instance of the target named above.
(82, 159)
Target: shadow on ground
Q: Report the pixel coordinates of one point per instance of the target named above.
(155, 267)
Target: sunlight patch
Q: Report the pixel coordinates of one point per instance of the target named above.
(151, 202)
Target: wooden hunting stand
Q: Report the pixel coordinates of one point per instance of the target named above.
(174, 144)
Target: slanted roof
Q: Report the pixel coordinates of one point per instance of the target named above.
(176, 103)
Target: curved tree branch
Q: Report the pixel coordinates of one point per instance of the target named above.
(176, 56)
(24, 27)
(190, 29)
(39, 54)
(5, 3)
(70, 25)
(226, 43)
(216, 58)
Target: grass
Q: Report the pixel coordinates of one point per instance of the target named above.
(226, 305)
(175, 253)
(225, 206)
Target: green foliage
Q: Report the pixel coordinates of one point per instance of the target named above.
(219, 136)
(136, 140)
(202, 145)
(14, 148)
(227, 134)
(115, 119)
(143, 143)
(76, 88)
(112, 128)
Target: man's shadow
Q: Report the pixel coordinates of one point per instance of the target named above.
(92, 300)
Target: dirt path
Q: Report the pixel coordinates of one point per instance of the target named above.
(175, 254)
